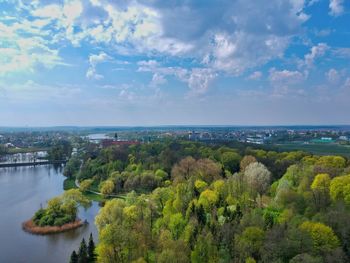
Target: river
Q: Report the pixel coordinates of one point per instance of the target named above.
(22, 191)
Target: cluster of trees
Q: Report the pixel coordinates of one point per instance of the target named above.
(61, 150)
(86, 253)
(3, 149)
(218, 204)
(144, 167)
(61, 210)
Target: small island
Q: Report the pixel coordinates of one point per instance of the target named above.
(60, 215)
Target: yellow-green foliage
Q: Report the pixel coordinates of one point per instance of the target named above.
(250, 260)
(130, 212)
(200, 185)
(331, 161)
(107, 187)
(340, 188)
(208, 198)
(321, 183)
(323, 237)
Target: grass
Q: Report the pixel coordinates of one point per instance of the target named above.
(318, 148)
(69, 184)
(94, 197)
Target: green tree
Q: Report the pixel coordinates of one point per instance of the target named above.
(249, 243)
(73, 257)
(320, 188)
(82, 253)
(340, 188)
(107, 187)
(85, 185)
(205, 250)
(91, 250)
(322, 236)
(230, 161)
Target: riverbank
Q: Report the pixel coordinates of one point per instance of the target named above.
(30, 227)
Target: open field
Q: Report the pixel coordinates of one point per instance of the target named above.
(320, 149)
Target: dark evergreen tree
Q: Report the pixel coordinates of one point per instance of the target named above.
(73, 257)
(201, 216)
(91, 250)
(83, 256)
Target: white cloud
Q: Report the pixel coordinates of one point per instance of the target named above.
(24, 46)
(231, 37)
(286, 83)
(333, 76)
(336, 7)
(285, 76)
(157, 80)
(255, 75)
(316, 52)
(94, 60)
(52, 11)
(199, 81)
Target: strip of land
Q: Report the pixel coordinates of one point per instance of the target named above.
(30, 227)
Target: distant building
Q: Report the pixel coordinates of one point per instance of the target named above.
(326, 139)
(255, 140)
(343, 138)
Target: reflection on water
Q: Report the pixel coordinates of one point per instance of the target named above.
(22, 191)
(23, 157)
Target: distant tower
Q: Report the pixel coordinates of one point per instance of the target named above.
(116, 136)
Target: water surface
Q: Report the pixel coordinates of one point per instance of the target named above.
(22, 191)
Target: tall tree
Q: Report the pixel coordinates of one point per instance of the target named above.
(82, 254)
(91, 250)
(73, 257)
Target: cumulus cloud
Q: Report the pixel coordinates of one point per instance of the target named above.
(94, 60)
(285, 76)
(198, 80)
(336, 7)
(232, 36)
(316, 51)
(24, 46)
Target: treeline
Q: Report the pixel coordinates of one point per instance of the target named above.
(145, 167)
(190, 202)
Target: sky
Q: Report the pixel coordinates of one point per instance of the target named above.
(174, 62)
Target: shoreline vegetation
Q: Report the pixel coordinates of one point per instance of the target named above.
(30, 227)
(60, 215)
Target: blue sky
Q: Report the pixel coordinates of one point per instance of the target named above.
(155, 62)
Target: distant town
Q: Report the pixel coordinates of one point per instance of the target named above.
(320, 139)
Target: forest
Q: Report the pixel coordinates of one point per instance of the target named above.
(182, 201)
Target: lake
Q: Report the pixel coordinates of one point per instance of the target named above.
(22, 191)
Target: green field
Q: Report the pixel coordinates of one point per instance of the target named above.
(319, 148)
